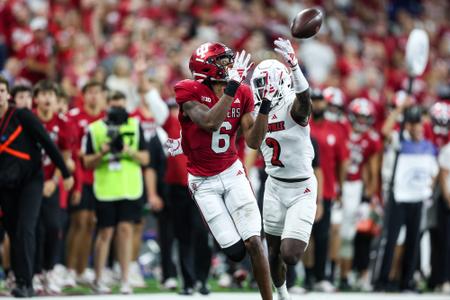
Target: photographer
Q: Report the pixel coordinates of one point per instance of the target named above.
(115, 149)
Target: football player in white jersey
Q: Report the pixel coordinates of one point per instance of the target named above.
(291, 187)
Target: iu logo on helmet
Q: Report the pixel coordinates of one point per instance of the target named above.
(202, 50)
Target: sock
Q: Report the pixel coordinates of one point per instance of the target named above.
(282, 291)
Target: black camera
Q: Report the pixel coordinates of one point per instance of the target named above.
(116, 116)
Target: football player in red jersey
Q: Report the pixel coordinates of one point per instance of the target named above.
(212, 108)
(360, 185)
(335, 109)
(82, 202)
(50, 227)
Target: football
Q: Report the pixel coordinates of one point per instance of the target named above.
(306, 23)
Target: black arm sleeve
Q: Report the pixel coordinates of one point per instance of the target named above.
(31, 124)
(316, 160)
(142, 143)
(87, 144)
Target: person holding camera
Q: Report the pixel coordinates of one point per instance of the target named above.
(115, 149)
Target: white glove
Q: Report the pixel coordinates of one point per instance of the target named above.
(284, 47)
(174, 147)
(241, 66)
(271, 89)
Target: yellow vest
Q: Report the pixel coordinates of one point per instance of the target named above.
(119, 179)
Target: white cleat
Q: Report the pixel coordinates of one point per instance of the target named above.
(324, 286)
(297, 290)
(100, 288)
(170, 284)
(126, 289)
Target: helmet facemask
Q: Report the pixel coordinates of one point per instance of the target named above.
(274, 75)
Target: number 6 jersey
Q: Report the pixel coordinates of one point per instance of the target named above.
(210, 153)
(287, 148)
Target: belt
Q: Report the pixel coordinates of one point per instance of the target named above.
(290, 180)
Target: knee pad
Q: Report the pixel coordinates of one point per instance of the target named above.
(235, 252)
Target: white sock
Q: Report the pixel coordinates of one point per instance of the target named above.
(282, 291)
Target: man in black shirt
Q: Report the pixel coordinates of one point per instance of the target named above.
(21, 183)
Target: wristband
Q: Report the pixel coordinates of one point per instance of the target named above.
(298, 80)
(264, 109)
(231, 88)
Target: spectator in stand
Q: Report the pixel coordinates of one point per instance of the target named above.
(49, 232)
(11, 70)
(192, 235)
(115, 149)
(21, 184)
(333, 160)
(38, 56)
(412, 182)
(22, 96)
(82, 200)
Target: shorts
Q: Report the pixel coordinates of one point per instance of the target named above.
(111, 213)
(227, 204)
(290, 208)
(352, 192)
(87, 201)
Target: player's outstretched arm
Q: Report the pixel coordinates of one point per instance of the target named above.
(301, 109)
(210, 119)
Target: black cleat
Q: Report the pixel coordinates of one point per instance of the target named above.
(23, 291)
(204, 290)
(187, 291)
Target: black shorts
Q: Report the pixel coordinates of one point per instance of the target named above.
(111, 213)
(87, 201)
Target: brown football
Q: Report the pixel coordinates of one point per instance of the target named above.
(306, 23)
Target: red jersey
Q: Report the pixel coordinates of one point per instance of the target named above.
(40, 51)
(331, 150)
(148, 124)
(80, 120)
(176, 168)
(210, 153)
(59, 131)
(362, 147)
(437, 135)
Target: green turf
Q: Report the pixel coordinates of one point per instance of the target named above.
(153, 286)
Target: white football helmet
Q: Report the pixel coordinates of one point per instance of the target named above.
(274, 72)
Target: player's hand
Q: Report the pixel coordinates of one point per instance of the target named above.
(68, 183)
(49, 188)
(284, 48)
(241, 66)
(156, 203)
(174, 147)
(75, 198)
(271, 89)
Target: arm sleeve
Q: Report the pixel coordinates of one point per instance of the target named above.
(142, 143)
(444, 158)
(86, 144)
(32, 125)
(316, 160)
(157, 106)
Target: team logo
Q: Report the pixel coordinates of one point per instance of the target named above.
(237, 100)
(331, 139)
(206, 99)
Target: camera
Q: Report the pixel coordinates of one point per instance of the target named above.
(116, 116)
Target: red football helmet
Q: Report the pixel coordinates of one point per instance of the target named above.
(210, 61)
(361, 114)
(334, 96)
(440, 113)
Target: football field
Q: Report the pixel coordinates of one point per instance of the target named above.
(255, 296)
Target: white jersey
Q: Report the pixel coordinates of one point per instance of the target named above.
(287, 147)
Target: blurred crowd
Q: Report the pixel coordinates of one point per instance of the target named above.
(141, 48)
